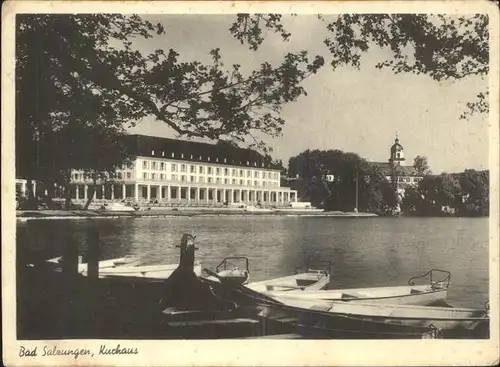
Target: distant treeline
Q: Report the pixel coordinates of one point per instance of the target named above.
(328, 179)
(460, 194)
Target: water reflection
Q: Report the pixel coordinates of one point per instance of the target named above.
(364, 252)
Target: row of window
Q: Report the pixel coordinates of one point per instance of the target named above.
(183, 178)
(119, 175)
(409, 179)
(184, 168)
(201, 158)
(194, 179)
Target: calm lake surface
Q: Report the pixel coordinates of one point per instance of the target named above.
(365, 252)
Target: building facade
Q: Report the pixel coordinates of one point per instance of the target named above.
(169, 170)
(396, 172)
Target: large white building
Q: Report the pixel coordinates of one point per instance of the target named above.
(169, 170)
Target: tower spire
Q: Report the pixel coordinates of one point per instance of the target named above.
(397, 153)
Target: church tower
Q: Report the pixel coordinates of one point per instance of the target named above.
(397, 157)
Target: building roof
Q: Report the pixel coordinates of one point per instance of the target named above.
(406, 171)
(381, 164)
(399, 170)
(221, 153)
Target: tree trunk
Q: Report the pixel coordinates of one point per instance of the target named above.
(67, 191)
(67, 202)
(90, 197)
(50, 192)
(327, 197)
(32, 202)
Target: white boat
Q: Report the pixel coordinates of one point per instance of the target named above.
(310, 280)
(116, 207)
(147, 271)
(129, 260)
(403, 295)
(426, 294)
(233, 276)
(228, 272)
(251, 208)
(443, 318)
(317, 322)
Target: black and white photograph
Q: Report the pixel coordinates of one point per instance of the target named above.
(273, 179)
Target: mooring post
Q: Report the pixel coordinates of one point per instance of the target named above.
(70, 260)
(93, 252)
(66, 310)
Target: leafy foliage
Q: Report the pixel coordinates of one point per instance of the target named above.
(421, 166)
(440, 46)
(475, 188)
(465, 194)
(63, 120)
(248, 28)
(348, 171)
(193, 98)
(79, 73)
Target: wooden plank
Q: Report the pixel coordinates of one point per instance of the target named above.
(93, 252)
(213, 322)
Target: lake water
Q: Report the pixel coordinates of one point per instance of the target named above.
(364, 252)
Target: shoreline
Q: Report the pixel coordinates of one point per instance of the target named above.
(23, 215)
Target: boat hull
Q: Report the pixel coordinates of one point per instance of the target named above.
(405, 295)
(443, 318)
(112, 263)
(337, 326)
(148, 272)
(316, 281)
(103, 264)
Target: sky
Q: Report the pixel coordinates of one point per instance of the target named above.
(353, 110)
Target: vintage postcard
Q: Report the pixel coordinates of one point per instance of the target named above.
(250, 183)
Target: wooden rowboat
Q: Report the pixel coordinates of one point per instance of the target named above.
(318, 322)
(404, 295)
(310, 279)
(315, 321)
(426, 294)
(310, 323)
(230, 273)
(443, 318)
(128, 260)
(127, 267)
(144, 272)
